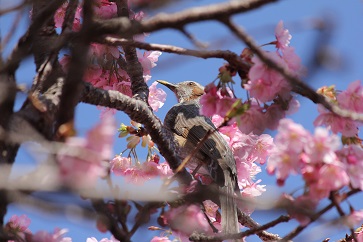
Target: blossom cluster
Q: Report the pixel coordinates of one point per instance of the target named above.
(324, 165)
(81, 160)
(248, 149)
(106, 64)
(18, 226)
(351, 100)
(265, 85)
(139, 172)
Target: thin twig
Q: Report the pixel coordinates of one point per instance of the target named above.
(298, 85)
(232, 58)
(316, 216)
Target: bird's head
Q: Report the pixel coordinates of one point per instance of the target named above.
(185, 91)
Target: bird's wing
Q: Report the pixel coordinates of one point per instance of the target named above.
(184, 120)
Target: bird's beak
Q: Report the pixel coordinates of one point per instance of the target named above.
(169, 85)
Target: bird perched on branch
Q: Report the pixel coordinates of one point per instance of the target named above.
(214, 157)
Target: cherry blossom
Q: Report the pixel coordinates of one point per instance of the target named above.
(157, 96)
(265, 83)
(160, 239)
(352, 157)
(252, 121)
(105, 9)
(300, 208)
(56, 236)
(93, 239)
(81, 159)
(148, 60)
(291, 136)
(322, 147)
(209, 102)
(19, 223)
(354, 219)
(120, 164)
(187, 219)
(60, 14)
(352, 98)
(337, 124)
(282, 35)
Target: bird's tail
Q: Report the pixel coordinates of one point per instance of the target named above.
(229, 205)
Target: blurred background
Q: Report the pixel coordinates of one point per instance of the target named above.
(327, 35)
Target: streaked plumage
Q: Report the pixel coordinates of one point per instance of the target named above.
(189, 127)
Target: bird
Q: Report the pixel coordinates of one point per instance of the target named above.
(215, 157)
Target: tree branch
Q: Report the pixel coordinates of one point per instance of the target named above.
(138, 111)
(232, 58)
(298, 85)
(176, 20)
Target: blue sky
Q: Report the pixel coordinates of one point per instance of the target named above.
(346, 44)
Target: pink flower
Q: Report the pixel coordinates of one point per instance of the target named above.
(253, 189)
(352, 157)
(352, 98)
(104, 51)
(292, 61)
(93, 74)
(81, 159)
(301, 208)
(262, 148)
(60, 14)
(322, 147)
(211, 210)
(283, 36)
(157, 97)
(264, 83)
(294, 106)
(148, 60)
(291, 136)
(160, 239)
(164, 169)
(208, 104)
(93, 239)
(252, 121)
(123, 87)
(217, 120)
(139, 16)
(283, 163)
(332, 177)
(19, 223)
(224, 105)
(136, 175)
(187, 219)
(354, 219)
(150, 169)
(56, 236)
(120, 164)
(274, 113)
(105, 9)
(347, 127)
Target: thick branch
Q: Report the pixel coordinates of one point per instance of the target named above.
(138, 111)
(176, 20)
(73, 86)
(134, 69)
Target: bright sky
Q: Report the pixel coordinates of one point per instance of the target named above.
(345, 43)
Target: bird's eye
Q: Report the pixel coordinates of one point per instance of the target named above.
(190, 83)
